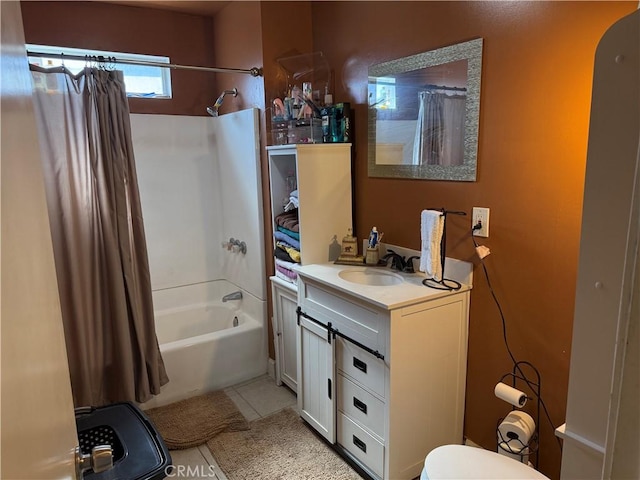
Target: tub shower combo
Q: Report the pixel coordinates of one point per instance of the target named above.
(209, 302)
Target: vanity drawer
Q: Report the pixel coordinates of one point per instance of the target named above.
(360, 405)
(361, 366)
(364, 324)
(361, 444)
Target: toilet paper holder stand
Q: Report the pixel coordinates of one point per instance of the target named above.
(519, 380)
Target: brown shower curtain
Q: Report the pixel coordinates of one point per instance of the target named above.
(98, 236)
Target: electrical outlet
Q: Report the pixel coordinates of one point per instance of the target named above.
(480, 215)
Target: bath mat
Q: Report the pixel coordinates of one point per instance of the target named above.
(278, 447)
(194, 421)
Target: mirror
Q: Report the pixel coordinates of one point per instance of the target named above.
(424, 114)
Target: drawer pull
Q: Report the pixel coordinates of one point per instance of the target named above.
(360, 405)
(360, 444)
(360, 365)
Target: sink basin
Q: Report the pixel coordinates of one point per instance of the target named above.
(370, 276)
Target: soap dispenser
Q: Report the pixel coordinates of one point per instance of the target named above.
(349, 245)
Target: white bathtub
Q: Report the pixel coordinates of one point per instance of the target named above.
(201, 348)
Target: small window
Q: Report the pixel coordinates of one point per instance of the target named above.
(140, 80)
(382, 93)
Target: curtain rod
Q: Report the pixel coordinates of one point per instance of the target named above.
(429, 86)
(254, 72)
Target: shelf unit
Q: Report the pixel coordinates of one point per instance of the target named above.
(323, 179)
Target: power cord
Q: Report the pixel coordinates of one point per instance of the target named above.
(516, 364)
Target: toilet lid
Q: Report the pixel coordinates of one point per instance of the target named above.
(463, 462)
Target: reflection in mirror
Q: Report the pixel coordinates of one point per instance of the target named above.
(423, 114)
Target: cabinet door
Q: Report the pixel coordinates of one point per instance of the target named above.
(285, 304)
(316, 386)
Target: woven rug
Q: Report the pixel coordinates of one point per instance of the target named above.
(192, 422)
(278, 447)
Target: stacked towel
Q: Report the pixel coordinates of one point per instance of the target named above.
(293, 253)
(290, 233)
(431, 230)
(287, 239)
(286, 271)
(288, 220)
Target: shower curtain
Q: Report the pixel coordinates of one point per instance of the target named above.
(439, 138)
(98, 236)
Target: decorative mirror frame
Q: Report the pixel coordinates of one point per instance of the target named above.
(470, 51)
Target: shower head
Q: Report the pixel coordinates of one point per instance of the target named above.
(213, 111)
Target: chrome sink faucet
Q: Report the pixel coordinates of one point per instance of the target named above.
(232, 296)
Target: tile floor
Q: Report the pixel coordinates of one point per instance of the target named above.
(255, 398)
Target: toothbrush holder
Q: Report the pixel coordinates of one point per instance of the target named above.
(372, 256)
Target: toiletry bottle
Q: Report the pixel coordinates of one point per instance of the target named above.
(349, 245)
(325, 115)
(288, 107)
(307, 90)
(296, 94)
(345, 131)
(328, 98)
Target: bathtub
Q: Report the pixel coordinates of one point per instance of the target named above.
(207, 344)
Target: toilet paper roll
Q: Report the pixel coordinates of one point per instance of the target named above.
(510, 395)
(516, 430)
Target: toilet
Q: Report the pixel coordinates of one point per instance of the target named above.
(461, 462)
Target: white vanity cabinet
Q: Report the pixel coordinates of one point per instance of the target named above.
(382, 369)
(322, 175)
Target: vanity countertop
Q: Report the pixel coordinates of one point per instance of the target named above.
(388, 297)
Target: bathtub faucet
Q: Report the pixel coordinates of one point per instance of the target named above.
(232, 296)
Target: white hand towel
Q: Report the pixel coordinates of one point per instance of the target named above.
(431, 229)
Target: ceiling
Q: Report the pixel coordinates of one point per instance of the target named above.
(208, 8)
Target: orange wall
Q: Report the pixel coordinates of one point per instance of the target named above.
(186, 39)
(237, 43)
(277, 42)
(534, 114)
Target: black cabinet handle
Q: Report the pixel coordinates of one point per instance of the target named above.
(360, 365)
(360, 444)
(360, 405)
(333, 332)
